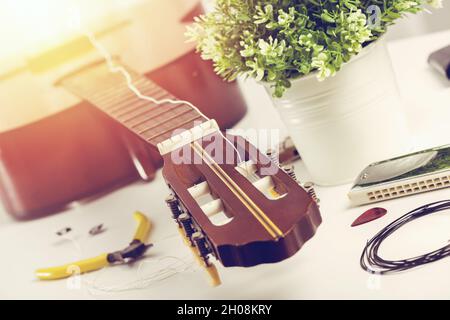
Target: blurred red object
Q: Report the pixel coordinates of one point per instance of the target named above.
(369, 215)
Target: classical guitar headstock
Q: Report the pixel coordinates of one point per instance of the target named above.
(243, 210)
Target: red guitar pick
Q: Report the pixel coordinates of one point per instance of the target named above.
(369, 215)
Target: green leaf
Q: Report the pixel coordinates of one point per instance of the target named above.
(278, 40)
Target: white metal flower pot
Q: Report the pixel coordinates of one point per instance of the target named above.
(346, 122)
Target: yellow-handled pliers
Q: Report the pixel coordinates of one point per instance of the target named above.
(135, 250)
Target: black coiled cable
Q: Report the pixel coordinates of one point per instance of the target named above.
(373, 263)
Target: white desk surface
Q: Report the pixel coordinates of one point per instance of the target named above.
(327, 267)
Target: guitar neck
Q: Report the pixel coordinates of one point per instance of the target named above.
(110, 92)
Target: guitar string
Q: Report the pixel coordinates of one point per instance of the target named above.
(115, 68)
(160, 275)
(120, 69)
(149, 272)
(180, 265)
(258, 214)
(370, 259)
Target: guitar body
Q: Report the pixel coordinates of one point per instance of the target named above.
(80, 153)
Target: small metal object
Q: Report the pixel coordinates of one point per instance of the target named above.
(97, 230)
(64, 231)
(309, 187)
(402, 176)
(135, 250)
(273, 156)
(172, 203)
(186, 223)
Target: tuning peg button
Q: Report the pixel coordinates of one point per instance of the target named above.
(186, 222)
(173, 204)
(290, 171)
(273, 156)
(202, 246)
(309, 187)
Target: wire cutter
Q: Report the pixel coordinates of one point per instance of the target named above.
(134, 251)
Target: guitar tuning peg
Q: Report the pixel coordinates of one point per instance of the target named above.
(199, 248)
(202, 257)
(202, 246)
(194, 240)
(309, 187)
(186, 222)
(273, 156)
(291, 172)
(173, 204)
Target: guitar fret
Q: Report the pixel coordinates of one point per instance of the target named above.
(130, 108)
(168, 119)
(156, 94)
(151, 107)
(123, 104)
(118, 103)
(135, 116)
(181, 122)
(166, 109)
(144, 113)
(120, 85)
(120, 95)
(110, 93)
(198, 116)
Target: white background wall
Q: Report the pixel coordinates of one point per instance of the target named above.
(422, 23)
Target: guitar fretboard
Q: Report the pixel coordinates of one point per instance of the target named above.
(109, 92)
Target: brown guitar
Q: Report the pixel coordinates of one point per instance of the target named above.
(56, 148)
(225, 205)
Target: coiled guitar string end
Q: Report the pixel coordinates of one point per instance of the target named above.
(273, 155)
(291, 172)
(309, 187)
